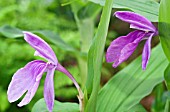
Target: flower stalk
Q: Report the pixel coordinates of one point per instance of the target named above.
(95, 57)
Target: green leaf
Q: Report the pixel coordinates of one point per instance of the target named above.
(55, 39)
(137, 108)
(131, 84)
(90, 10)
(40, 106)
(95, 57)
(167, 77)
(159, 100)
(147, 8)
(167, 106)
(84, 13)
(164, 26)
(161, 103)
(10, 32)
(166, 97)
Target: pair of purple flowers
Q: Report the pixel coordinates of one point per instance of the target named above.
(27, 79)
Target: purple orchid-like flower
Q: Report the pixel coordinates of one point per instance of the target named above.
(121, 48)
(27, 79)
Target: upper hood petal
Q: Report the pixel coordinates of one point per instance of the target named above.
(136, 21)
(41, 47)
(24, 79)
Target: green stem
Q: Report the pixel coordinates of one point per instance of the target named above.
(86, 29)
(95, 57)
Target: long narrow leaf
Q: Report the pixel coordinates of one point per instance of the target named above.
(167, 106)
(147, 8)
(167, 76)
(55, 39)
(164, 26)
(84, 13)
(12, 32)
(95, 57)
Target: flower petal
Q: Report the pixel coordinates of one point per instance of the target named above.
(137, 21)
(24, 79)
(41, 47)
(122, 47)
(146, 52)
(33, 88)
(30, 94)
(62, 69)
(49, 89)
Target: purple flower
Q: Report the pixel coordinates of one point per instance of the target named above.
(27, 79)
(121, 48)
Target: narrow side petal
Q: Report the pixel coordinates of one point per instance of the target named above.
(49, 89)
(146, 52)
(23, 80)
(41, 47)
(122, 47)
(137, 21)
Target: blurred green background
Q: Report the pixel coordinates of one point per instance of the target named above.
(15, 53)
(53, 16)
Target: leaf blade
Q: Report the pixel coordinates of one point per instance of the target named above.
(137, 108)
(55, 39)
(40, 106)
(95, 57)
(131, 84)
(167, 77)
(164, 27)
(10, 32)
(147, 8)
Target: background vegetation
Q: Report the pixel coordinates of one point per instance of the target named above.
(55, 21)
